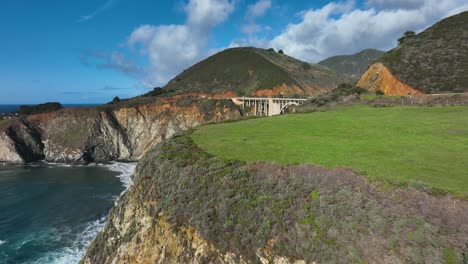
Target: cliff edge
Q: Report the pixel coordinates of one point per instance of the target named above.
(104, 133)
(187, 206)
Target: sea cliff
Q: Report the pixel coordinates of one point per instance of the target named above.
(96, 134)
(186, 206)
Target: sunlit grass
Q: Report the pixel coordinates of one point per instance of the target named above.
(426, 145)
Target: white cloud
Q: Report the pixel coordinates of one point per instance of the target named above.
(255, 11)
(171, 48)
(258, 9)
(205, 14)
(340, 28)
(334, 29)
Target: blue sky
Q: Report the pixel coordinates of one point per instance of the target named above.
(89, 51)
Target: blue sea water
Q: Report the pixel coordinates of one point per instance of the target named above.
(50, 213)
(14, 107)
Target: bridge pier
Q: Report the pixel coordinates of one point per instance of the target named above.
(267, 106)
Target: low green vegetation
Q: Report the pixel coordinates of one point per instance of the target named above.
(40, 108)
(354, 65)
(298, 212)
(425, 147)
(376, 96)
(441, 55)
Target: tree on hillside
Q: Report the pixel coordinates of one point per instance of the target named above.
(280, 51)
(116, 100)
(407, 35)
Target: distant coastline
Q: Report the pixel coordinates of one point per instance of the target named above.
(12, 108)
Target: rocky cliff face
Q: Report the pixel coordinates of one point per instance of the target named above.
(80, 136)
(379, 78)
(186, 206)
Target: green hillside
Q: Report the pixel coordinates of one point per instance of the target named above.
(423, 146)
(246, 70)
(352, 65)
(436, 60)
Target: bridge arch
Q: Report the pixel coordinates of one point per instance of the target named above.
(286, 106)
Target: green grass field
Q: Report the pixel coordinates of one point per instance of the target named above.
(427, 146)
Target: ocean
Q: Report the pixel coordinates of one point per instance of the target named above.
(14, 107)
(49, 213)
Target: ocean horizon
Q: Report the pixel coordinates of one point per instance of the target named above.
(12, 108)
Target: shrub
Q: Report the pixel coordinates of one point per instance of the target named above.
(379, 92)
(280, 51)
(407, 35)
(306, 66)
(157, 91)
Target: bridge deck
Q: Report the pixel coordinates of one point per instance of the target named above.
(269, 98)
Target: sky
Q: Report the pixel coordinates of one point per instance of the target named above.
(90, 51)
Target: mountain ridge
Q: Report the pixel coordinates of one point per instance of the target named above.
(254, 71)
(352, 65)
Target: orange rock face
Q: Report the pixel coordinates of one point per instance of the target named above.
(380, 78)
(283, 89)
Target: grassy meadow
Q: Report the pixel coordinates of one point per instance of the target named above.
(421, 146)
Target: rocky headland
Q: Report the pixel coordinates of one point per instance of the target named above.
(106, 133)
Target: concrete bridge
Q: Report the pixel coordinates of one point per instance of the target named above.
(267, 106)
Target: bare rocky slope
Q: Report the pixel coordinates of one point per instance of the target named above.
(186, 206)
(434, 61)
(80, 136)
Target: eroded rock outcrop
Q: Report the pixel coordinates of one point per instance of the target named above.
(187, 206)
(79, 136)
(379, 78)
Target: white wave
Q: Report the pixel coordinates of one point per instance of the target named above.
(74, 253)
(2, 242)
(126, 171)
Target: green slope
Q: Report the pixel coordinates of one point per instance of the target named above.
(245, 70)
(352, 65)
(427, 145)
(436, 60)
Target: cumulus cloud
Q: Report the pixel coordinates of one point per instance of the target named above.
(337, 28)
(255, 11)
(258, 9)
(171, 48)
(341, 28)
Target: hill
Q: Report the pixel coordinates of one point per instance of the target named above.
(253, 71)
(353, 65)
(433, 61)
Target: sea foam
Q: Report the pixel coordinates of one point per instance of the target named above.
(75, 253)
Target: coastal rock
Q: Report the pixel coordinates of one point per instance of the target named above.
(96, 134)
